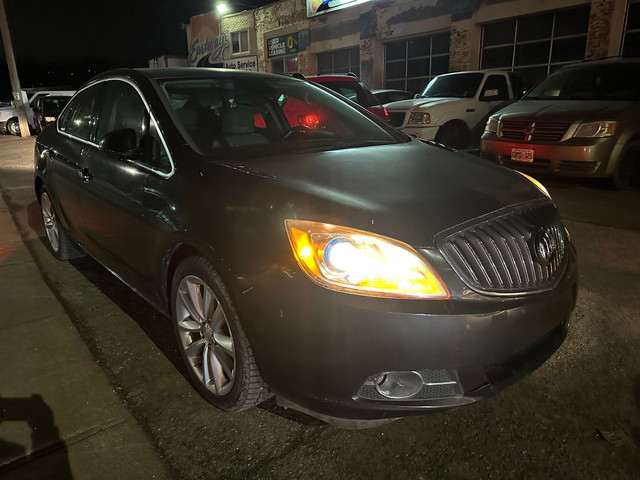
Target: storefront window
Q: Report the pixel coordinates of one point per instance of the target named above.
(631, 41)
(536, 45)
(339, 61)
(285, 65)
(411, 64)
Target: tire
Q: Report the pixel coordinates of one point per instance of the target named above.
(207, 327)
(627, 173)
(13, 127)
(61, 246)
(453, 135)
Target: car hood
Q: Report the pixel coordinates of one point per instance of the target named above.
(408, 191)
(567, 110)
(420, 103)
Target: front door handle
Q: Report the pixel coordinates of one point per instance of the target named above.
(85, 175)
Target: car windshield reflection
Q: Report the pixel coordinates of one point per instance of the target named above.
(269, 115)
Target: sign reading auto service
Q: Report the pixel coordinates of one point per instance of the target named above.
(206, 42)
(282, 45)
(318, 7)
(243, 63)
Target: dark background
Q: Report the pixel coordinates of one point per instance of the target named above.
(65, 42)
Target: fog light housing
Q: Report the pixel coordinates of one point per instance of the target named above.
(398, 385)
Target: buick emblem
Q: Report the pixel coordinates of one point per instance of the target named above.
(544, 247)
(528, 132)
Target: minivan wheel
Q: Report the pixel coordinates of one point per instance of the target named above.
(13, 127)
(627, 173)
(211, 340)
(60, 244)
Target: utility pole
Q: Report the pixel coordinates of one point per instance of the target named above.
(21, 107)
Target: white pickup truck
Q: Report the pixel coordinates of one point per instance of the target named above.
(9, 117)
(454, 107)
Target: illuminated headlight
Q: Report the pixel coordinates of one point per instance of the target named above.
(537, 184)
(492, 125)
(595, 129)
(49, 119)
(354, 261)
(419, 118)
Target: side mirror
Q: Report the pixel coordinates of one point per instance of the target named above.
(122, 141)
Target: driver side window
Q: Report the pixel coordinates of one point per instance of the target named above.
(122, 107)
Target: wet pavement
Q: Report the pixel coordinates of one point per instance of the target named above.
(91, 385)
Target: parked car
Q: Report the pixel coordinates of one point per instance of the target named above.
(351, 87)
(46, 109)
(9, 116)
(580, 121)
(454, 107)
(389, 95)
(356, 273)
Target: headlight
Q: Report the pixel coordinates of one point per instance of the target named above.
(354, 261)
(595, 129)
(419, 118)
(492, 125)
(538, 185)
(49, 119)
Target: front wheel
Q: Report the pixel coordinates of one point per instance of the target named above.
(627, 173)
(211, 340)
(13, 127)
(453, 135)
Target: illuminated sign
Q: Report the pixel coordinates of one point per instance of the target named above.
(282, 45)
(318, 7)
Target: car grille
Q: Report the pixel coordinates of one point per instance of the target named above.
(532, 131)
(397, 118)
(501, 255)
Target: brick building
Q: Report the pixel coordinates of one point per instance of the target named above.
(403, 43)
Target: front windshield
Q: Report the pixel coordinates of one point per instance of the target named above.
(261, 115)
(460, 85)
(596, 82)
(54, 105)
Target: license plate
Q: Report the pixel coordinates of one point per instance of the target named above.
(522, 155)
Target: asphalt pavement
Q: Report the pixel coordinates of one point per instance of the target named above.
(92, 387)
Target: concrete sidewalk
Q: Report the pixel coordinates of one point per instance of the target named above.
(60, 417)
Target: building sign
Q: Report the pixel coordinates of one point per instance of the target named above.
(243, 63)
(318, 7)
(206, 43)
(282, 45)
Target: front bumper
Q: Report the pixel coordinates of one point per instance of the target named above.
(426, 133)
(579, 157)
(316, 348)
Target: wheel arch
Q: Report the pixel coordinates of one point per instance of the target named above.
(619, 150)
(38, 183)
(183, 249)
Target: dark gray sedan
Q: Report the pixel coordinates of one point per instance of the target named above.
(304, 248)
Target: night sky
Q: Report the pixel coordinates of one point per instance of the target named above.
(66, 42)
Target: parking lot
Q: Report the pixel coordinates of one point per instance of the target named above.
(578, 416)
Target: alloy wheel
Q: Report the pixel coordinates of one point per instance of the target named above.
(50, 222)
(205, 335)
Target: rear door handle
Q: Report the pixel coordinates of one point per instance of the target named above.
(85, 175)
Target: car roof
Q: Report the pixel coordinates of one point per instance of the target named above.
(334, 78)
(603, 61)
(179, 73)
